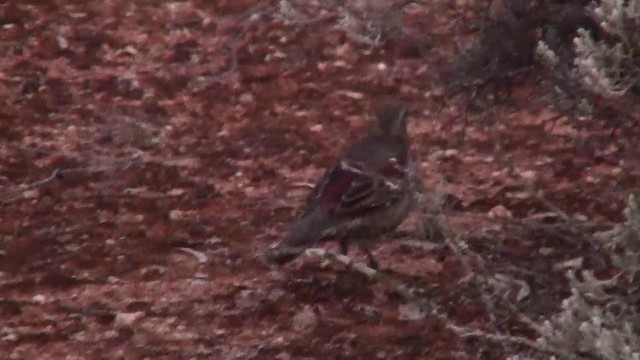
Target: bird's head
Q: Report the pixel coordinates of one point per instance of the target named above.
(392, 118)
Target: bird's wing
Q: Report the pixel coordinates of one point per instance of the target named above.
(358, 184)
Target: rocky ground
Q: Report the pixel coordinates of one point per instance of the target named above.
(150, 152)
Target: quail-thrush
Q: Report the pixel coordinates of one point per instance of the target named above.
(363, 195)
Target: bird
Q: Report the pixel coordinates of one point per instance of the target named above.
(363, 195)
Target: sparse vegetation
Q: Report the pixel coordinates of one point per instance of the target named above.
(606, 60)
(601, 61)
(601, 317)
(149, 153)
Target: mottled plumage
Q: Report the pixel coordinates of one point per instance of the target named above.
(363, 195)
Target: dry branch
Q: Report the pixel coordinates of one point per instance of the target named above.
(429, 306)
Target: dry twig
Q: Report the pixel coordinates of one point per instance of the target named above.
(430, 306)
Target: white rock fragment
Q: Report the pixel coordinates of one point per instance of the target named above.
(200, 256)
(340, 64)
(246, 98)
(352, 94)
(176, 215)
(246, 298)
(126, 320)
(31, 194)
(305, 319)
(212, 241)
(524, 291)
(283, 356)
(7, 334)
(63, 43)
(444, 154)
(500, 212)
(410, 312)
(276, 294)
(528, 174)
(176, 192)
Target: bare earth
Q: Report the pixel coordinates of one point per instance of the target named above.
(150, 153)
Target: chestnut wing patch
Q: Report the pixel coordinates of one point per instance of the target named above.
(348, 190)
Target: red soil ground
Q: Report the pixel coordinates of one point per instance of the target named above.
(150, 153)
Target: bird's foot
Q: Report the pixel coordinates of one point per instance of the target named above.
(371, 261)
(344, 246)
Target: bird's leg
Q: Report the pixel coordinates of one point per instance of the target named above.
(344, 246)
(371, 261)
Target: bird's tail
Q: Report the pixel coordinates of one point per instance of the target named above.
(304, 235)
